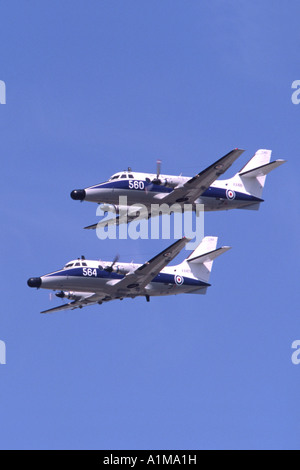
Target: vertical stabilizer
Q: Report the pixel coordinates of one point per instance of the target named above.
(252, 177)
(199, 263)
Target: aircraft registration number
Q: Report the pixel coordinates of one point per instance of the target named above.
(89, 272)
(136, 184)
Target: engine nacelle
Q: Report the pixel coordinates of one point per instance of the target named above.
(108, 207)
(72, 295)
(174, 181)
(171, 181)
(121, 270)
(115, 208)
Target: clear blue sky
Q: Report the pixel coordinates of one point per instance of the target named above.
(94, 87)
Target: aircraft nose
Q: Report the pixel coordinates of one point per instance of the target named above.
(34, 282)
(78, 194)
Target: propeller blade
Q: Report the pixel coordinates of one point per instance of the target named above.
(110, 268)
(158, 168)
(116, 259)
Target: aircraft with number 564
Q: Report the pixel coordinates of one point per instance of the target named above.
(242, 191)
(89, 282)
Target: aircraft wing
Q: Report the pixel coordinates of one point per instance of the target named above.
(132, 283)
(90, 300)
(122, 219)
(138, 279)
(193, 188)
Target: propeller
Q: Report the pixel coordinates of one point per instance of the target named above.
(110, 268)
(158, 168)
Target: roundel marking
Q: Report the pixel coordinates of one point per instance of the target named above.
(178, 280)
(230, 194)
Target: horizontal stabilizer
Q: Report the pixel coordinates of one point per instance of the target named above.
(262, 170)
(251, 207)
(212, 255)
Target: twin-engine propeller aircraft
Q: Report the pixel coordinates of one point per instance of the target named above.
(93, 282)
(243, 191)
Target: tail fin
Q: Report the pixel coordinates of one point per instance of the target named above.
(252, 176)
(199, 263)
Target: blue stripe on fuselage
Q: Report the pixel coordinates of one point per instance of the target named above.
(212, 191)
(124, 184)
(220, 193)
(164, 278)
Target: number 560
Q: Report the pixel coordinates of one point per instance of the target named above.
(136, 185)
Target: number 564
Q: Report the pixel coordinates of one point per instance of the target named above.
(89, 272)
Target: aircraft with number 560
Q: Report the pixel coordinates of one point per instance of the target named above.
(242, 191)
(89, 282)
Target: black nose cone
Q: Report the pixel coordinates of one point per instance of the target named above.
(78, 194)
(34, 282)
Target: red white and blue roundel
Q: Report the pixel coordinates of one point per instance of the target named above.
(230, 194)
(178, 280)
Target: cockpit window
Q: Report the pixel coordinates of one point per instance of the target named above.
(115, 177)
(68, 265)
(77, 264)
(130, 176)
(84, 264)
(123, 176)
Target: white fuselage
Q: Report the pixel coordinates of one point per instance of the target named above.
(141, 188)
(91, 276)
